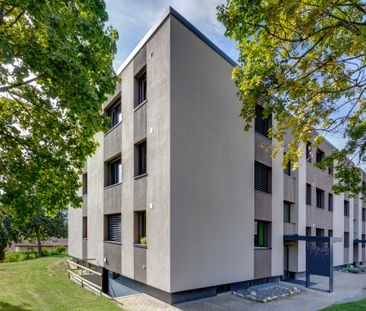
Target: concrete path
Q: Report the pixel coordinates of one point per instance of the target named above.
(347, 287)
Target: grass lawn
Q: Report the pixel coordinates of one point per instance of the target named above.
(42, 284)
(350, 306)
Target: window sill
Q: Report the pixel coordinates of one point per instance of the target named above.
(260, 191)
(85, 239)
(112, 128)
(113, 242)
(264, 136)
(140, 105)
(257, 248)
(137, 245)
(111, 186)
(140, 176)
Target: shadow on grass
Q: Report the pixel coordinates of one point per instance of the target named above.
(4, 306)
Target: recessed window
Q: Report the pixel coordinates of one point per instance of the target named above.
(308, 194)
(319, 198)
(330, 233)
(287, 170)
(330, 202)
(140, 222)
(85, 227)
(141, 89)
(363, 239)
(308, 231)
(263, 178)
(308, 152)
(319, 232)
(115, 114)
(262, 123)
(286, 211)
(364, 214)
(330, 170)
(346, 239)
(319, 155)
(346, 208)
(114, 228)
(85, 183)
(141, 159)
(114, 172)
(262, 231)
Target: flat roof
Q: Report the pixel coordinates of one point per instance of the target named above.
(171, 11)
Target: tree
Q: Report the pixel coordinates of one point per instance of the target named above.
(8, 232)
(42, 226)
(305, 62)
(55, 72)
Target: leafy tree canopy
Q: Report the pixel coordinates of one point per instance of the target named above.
(55, 71)
(305, 62)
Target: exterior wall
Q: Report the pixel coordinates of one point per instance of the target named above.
(212, 170)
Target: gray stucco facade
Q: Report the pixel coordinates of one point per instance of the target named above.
(198, 193)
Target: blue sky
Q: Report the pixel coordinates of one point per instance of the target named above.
(134, 18)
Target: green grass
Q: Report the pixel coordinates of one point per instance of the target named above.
(350, 306)
(42, 284)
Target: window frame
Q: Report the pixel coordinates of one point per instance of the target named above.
(287, 205)
(140, 227)
(264, 185)
(114, 172)
(85, 227)
(141, 88)
(261, 124)
(265, 228)
(330, 202)
(141, 159)
(111, 227)
(114, 112)
(85, 183)
(308, 196)
(320, 201)
(320, 155)
(346, 239)
(346, 208)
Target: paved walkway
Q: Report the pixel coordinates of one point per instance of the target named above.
(347, 287)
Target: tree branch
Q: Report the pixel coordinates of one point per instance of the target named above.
(7, 88)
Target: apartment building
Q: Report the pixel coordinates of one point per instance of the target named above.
(179, 201)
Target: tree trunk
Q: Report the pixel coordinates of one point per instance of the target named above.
(38, 236)
(2, 253)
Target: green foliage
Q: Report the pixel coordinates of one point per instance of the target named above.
(55, 73)
(8, 232)
(21, 256)
(304, 61)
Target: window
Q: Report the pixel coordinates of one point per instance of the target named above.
(114, 227)
(363, 239)
(263, 178)
(319, 232)
(308, 194)
(287, 170)
(319, 198)
(115, 115)
(346, 239)
(85, 227)
(308, 152)
(308, 231)
(114, 172)
(330, 202)
(140, 222)
(330, 170)
(262, 231)
(85, 183)
(262, 124)
(330, 233)
(364, 214)
(319, 155)
(141, 159)
(286, 211)
(142, 89)
(346, 208)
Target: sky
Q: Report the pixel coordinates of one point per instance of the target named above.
(134, 18)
